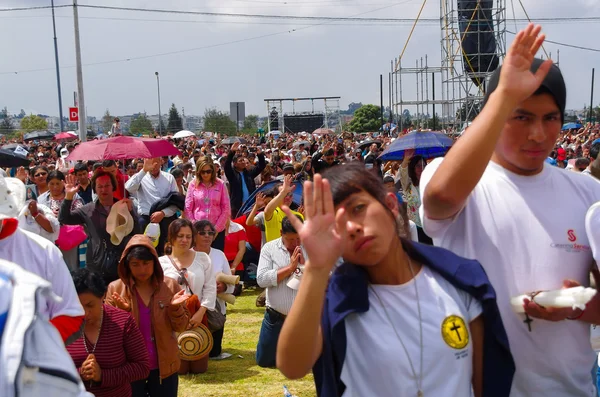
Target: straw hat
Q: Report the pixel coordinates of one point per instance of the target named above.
(119, 222)
(195, 343)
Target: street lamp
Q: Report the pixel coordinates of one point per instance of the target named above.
(159, 114)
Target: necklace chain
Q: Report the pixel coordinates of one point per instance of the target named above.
(98, 338)
(419, 378)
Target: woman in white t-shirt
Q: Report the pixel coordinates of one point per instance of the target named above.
(206, 233)
(408, 330)
(193, 272)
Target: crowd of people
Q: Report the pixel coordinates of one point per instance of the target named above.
(383, 278)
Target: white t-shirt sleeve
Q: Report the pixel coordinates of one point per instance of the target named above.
(433, 228)
(62, 285)
(472, 305)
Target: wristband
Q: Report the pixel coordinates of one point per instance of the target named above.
(577, 317)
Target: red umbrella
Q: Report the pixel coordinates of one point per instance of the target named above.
(65, 135)
(323, 131)
(123, 147)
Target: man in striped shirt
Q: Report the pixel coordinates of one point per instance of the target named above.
(279, 259)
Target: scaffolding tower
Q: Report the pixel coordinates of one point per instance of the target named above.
(280, 107)
(462, 89)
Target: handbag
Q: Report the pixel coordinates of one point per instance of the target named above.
(216, 319)
(109, 264)
(70, 236)
(192, 303)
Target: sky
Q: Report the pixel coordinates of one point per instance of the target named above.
(217, 60)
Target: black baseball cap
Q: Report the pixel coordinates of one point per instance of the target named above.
(554, 83)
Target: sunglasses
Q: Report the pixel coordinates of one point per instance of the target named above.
(206, 172)
(41, 174)
(182, 276)
(205, 233)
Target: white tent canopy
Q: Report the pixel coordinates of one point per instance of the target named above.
(183, 134)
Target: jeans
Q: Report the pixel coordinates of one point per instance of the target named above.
(217, 343)
(153, 387)
(266, 349)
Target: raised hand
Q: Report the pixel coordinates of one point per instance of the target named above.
(71, 186)
(323, 232)
(517, 81)
(235, 147)
(179, 298)
(21, 174)
(288, 185)
(149, 164)
(260, 200)
(120, 302)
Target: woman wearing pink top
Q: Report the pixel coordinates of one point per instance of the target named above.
(207, 198)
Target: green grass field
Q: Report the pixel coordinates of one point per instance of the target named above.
(235, 376)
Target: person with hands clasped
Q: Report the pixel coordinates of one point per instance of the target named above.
(111, 354)
(157, 303)
(279, 261)
(493, 199)
(396, 315)
(193, 272)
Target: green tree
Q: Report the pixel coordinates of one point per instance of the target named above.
(141, 125)
(107, 122)
(6, 126)
(161, 127)
(33, 123)
(366, 118)
(217, 121)
(250, 124)
(175, 124)
(22, 114)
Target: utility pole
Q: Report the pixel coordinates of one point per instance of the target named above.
(592, 99)
(381, 97)
(159, 114)
(60, 108)
(81, 103)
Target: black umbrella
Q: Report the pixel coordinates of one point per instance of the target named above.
(368, 143)
(233, 139)
(8, 158)
(38, 135)
(13, 146)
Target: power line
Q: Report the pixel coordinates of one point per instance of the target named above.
(565, 44)
(320, 18)
(33, 8)
(197, 48)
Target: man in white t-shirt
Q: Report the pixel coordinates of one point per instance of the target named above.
(522, 219)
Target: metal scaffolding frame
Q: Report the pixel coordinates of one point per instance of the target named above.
(330, 110)
(457, 87)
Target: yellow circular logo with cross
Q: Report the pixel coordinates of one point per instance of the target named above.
(455, 332)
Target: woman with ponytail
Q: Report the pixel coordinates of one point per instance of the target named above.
(396, 315)
(193, 272)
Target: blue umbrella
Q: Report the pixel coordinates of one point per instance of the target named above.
(427, 144)
(249, 203)
(571, 126)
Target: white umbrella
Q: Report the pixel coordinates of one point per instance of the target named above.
(274, 133)
(183, 134)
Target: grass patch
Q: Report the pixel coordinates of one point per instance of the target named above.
(235, 376)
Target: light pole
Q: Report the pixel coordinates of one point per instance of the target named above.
(60, 111)
(159, 114)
